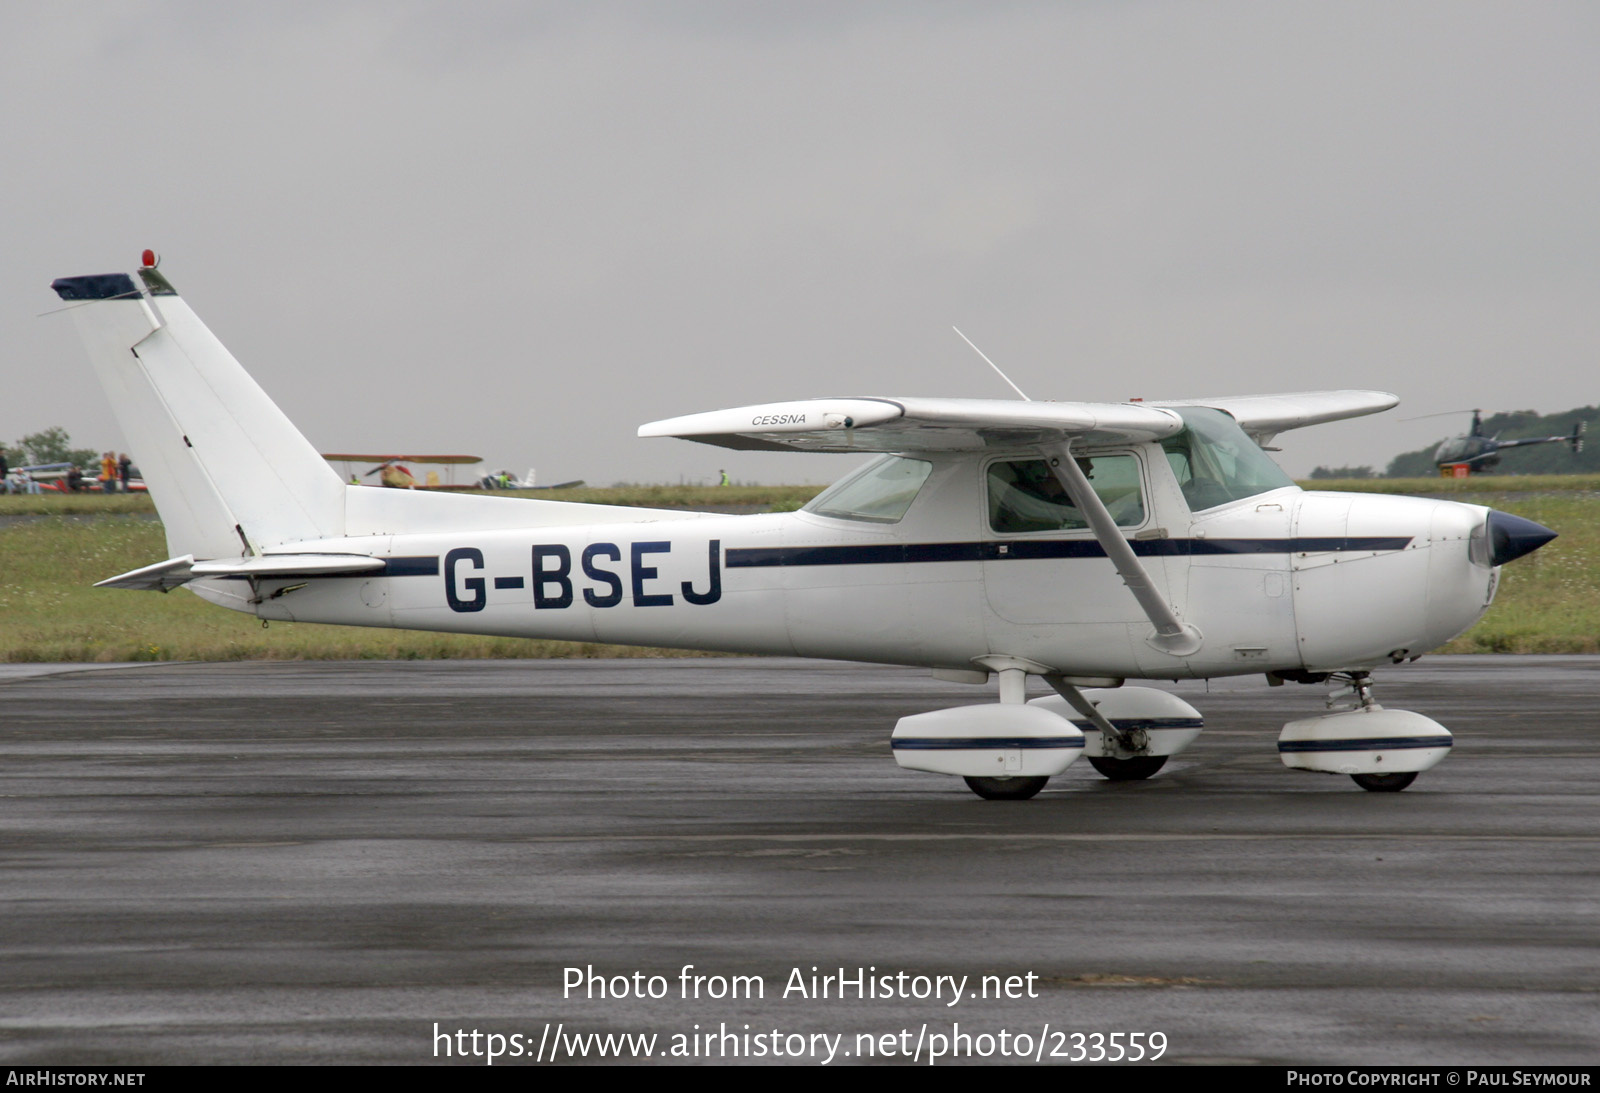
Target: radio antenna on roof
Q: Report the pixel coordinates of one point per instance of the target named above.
(991, 364)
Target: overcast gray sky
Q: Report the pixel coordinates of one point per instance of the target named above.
(522, 229)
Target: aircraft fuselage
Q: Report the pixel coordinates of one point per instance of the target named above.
(1267, 580)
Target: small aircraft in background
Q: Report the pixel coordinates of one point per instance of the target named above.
(1079, 544)
(393, 472)
(1477, 452)
(505, 480)
(41, 477)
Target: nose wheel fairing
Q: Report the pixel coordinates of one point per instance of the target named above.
(1371, 740)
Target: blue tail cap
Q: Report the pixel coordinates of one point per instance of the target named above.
(1510, 537)
(99, 286)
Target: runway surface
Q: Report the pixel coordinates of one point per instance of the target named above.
(288, 863)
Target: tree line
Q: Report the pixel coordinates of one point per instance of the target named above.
(51, 445)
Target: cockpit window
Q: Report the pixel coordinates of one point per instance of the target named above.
(880, 492)
(1025, 495)
(1215, 462)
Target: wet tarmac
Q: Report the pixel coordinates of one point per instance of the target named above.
(288, 863)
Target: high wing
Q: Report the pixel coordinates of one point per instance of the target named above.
(937, 424)
(916, 424)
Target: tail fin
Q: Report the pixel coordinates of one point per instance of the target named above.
(229, 473)
(1575, 441)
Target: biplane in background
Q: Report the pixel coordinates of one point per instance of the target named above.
(393, 472)
(1080, 544)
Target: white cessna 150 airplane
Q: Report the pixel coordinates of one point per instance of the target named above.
(1084, 543)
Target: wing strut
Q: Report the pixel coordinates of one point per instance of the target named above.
(1172, 635)
(1117, 742)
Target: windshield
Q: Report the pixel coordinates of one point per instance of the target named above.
(1215, 462)
(880, 491)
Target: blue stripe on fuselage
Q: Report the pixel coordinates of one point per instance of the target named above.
(426, 565)
(1008, 550)
(1028, 549)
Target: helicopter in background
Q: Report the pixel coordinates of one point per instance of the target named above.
(1478, 453)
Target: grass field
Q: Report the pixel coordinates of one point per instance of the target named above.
(1483, 484)
(777, 497)
(1548, 602)
(49, 612)
(74, 504)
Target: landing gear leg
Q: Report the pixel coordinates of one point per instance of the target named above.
(1129, 764)
(1013, 681)
(1356, 694)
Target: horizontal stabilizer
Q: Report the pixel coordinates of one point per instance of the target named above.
(161, 577)
(174, 572)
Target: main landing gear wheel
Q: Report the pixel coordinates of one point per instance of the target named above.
(1127, 770)
(1006, 789)
(1385, 783)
